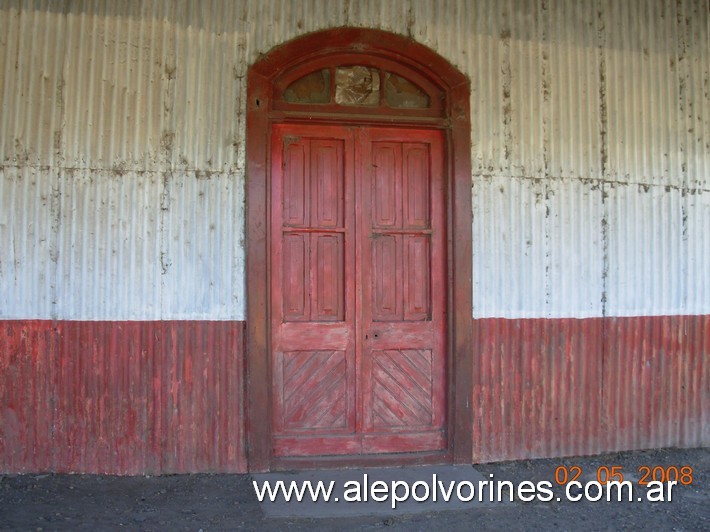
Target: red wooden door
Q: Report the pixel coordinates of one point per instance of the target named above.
(358, 290)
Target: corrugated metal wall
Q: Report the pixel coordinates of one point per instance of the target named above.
(656, 382)
(125, 120)
(565, 387)
(122, 148)
(121, 397)
(599, 105)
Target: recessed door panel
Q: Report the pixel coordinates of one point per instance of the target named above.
(358, 290)
(329, 274)
(416, 277)
(386, 269)
(314, 389)
(296, 277)
(386, 171)
(402, 392)
(326, 174)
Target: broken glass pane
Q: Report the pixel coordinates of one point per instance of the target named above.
(357, 85)
(400, 93)
(313, 88)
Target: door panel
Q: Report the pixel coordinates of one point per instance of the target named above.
(416, 186)
(358, 290)
(402, 388)
(312, 291)
(416, 275)
(314, 386)
(403, 316)
(296, 278)
(326, 174)
(386, 171)
(328, 269)
(386, 294)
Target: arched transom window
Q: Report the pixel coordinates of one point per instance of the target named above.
(356, 85)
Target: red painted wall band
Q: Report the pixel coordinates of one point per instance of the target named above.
(162, 397)
(121, 397)
(564, 387)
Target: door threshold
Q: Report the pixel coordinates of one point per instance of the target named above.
(298, 463)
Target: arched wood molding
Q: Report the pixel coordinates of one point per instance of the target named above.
(260, 114)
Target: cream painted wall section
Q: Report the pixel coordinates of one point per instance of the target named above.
(122, 142)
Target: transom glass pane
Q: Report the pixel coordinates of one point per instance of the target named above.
(357, 85)
(313, 88)
(400, 93)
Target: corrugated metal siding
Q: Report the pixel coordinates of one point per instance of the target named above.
(203, 257)
(31, 79)
(122, 140)
(101, 244)
(647, 251)
(124, 85)
(28, 395)
(29, 229)
(657, 244)
(537, 388)
(696, 213)
(656, 378)
(108, 261)
(538, 249)
(142, 85)
(209, 85)
(562, 387)
(116, 104)
(134, 397)
(121, 397)
(657, 57)
(574, 93)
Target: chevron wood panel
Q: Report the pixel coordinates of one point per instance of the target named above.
(314, 390)
(402, 388)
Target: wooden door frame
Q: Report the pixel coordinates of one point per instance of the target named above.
(457, 126)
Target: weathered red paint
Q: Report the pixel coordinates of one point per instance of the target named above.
(151, 397)
(656, 378)
(121, 397)
(537, 388)
(358, 309)
(403, 290)
(450, 113)
(564, 387)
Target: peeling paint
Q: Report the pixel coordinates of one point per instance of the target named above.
(604, 154)
(141, 115)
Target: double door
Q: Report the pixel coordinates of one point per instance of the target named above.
(357, 290)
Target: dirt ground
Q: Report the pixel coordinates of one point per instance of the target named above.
(227, 502)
